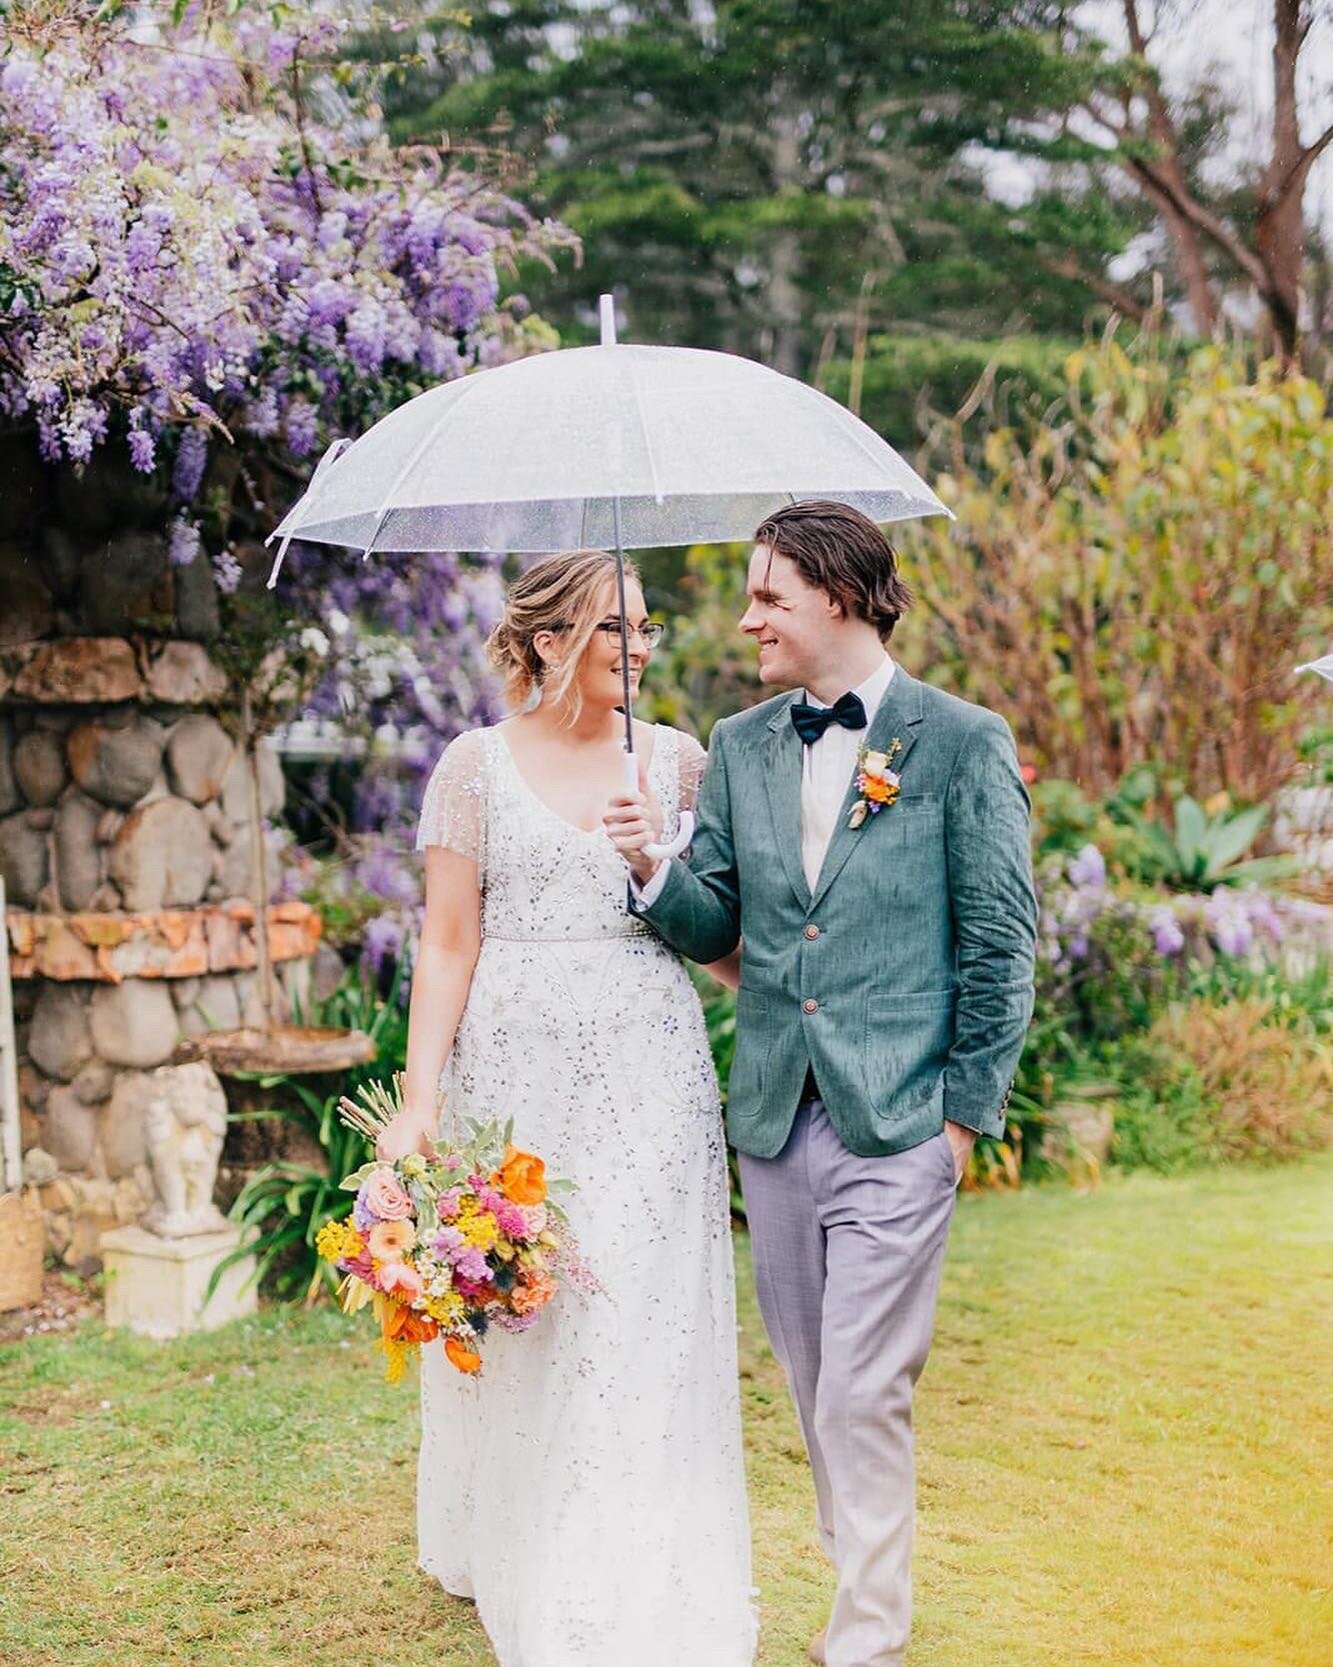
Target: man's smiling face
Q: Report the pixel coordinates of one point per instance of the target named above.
(789, 619)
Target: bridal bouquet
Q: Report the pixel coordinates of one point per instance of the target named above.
(448, 1245)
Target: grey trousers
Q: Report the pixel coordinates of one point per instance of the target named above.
(847, 1256)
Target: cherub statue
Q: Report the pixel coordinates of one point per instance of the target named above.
(185, 1125)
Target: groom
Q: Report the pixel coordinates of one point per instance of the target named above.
(867, 838)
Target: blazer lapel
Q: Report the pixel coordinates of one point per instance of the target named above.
(782, 778)
(898, 718)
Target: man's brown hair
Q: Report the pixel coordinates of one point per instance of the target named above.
(844, 554)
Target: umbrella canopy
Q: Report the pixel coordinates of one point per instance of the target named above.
(690, 447)
(1324, 667)
(618, 447)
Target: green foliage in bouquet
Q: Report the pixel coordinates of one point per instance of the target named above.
(285, 1203)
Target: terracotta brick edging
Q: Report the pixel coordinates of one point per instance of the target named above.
(166, 943)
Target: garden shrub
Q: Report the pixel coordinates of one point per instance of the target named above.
(1133, 581)
(1267, 1085)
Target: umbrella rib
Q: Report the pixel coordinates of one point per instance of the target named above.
(853, 435)
(647, 439)
(430, 439)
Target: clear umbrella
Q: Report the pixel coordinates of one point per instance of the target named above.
(617, 446)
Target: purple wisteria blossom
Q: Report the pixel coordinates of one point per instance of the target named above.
(185, 251)
(183, 541)
(382, 942)
(226, 571)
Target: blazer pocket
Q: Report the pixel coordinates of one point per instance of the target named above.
(907, 1042)
(913, 818)
(745, 1089)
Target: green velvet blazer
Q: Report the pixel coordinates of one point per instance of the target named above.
(905, 978)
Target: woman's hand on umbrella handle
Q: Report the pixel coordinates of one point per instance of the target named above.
(684, 835)
(634, 822)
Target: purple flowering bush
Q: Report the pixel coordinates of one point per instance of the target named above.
(212, 257)
(206, 239)
(1117, 963)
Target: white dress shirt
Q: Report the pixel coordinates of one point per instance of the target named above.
(826, 774)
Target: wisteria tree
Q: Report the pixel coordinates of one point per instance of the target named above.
(211, 256)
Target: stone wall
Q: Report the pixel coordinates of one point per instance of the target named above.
(124, 842)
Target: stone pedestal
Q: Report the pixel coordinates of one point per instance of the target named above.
(157, 1287)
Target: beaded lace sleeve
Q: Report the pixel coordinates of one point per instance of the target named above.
(692, 758)
(453, 812)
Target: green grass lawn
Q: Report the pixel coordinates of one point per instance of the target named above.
(1123, 1437)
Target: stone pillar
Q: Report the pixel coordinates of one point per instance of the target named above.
(123, 829)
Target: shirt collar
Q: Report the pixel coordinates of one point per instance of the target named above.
(871, 692)
(875, 687)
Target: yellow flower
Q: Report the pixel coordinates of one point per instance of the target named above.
(446, 1309)
(480, 1231)
(396, 1356)
(353, 1294)
(414, 1165)
(338, 1240)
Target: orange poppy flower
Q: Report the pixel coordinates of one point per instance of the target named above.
(405, 1325)
(464, 1358)
(522, 1177)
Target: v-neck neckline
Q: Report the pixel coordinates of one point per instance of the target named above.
(531, 791)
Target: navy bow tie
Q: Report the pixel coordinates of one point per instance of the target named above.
(810, 722)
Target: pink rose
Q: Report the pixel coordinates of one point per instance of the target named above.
(384, 1195)
(403, 1279)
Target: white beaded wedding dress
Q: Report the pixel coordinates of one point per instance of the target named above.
(587, 1490)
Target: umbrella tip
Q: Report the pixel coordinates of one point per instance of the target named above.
(607, 308)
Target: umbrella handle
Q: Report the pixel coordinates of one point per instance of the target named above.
(684, 834)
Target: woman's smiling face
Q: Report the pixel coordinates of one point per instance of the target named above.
(598, 678)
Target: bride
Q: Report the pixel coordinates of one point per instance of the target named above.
(587, 1491)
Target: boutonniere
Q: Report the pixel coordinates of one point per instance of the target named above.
(875, 782)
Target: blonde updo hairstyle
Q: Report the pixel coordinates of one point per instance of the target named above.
(565, 593)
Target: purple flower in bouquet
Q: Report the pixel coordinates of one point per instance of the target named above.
(473, 1267)
(448, 1242)
(515, 1323)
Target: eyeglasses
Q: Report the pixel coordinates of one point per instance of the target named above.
(649, 635)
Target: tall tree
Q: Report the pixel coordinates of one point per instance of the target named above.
(1126, 130)
(773, 176)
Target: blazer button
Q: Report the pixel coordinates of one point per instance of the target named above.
(810, 1006)
(812, 931)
